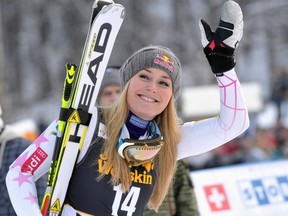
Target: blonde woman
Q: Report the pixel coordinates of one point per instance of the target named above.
(132, 157)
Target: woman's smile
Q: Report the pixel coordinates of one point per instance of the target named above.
(147, 99)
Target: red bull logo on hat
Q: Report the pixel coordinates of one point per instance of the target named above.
(164, 61)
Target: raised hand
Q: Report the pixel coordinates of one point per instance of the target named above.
(219, 46)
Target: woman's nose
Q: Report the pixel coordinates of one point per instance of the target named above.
(152, 87)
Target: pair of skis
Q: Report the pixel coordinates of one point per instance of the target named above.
(80, 92)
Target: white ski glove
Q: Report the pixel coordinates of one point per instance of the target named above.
(219, 46)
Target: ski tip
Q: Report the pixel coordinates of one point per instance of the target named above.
(102, 2)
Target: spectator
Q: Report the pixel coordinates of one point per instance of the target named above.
(11, 146)
(110, 87)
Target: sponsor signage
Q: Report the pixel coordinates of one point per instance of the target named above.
(259, 189)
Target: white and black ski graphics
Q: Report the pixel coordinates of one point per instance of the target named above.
(105, 23)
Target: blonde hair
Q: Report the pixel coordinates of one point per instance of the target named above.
(167, 121)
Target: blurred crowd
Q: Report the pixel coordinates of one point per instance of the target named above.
(266, 144)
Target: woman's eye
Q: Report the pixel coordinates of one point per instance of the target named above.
(164, 83)
(142, 76)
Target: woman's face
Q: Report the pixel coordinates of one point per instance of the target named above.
(149, 93)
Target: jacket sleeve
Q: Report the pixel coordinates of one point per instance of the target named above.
(202, 136)
(33, 163)
(184, 194)
(27, 169)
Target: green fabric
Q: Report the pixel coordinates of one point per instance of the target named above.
(180, 200)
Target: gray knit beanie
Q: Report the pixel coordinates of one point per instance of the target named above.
(111, 77)
(153, 57)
